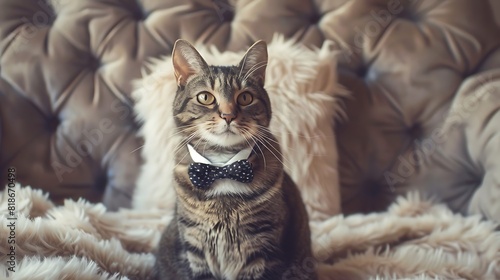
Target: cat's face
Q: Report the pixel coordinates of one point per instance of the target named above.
(222, 106)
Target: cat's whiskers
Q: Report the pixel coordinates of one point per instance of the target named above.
(198, 143)
(180, 130)
(137, 149)
(262, 138)
(184, 142)
(194, 134)
(245, 132)
(181, 144)
(288, 133)
(270, 140)
(287, 147)
(205, 147)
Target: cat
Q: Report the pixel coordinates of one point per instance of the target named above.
(245, 220)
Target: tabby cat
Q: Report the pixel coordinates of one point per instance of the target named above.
(238, 214)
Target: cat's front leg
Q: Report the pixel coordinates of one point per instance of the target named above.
(301, 270)
(199, 267)
(262, 269)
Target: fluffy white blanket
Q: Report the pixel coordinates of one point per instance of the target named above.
(414, 239)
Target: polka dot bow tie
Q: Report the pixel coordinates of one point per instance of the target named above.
(203, 175)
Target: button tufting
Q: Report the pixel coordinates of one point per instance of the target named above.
(409, 12)
(363, 72)
(315, 19)
(93, 64)
(44, 16)
(224, 10)
(415, 131)
(100, 182)
(373, 188)
(134, 8)
(409, 15)
(52, 124)
(138, 14)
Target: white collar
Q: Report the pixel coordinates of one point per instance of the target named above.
(243, 154)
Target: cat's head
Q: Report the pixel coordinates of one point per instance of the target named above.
(223, 106)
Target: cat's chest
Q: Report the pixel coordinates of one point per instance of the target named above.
(226, 249)
(228, 187)
(224, 244)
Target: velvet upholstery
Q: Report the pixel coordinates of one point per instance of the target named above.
(66, 71)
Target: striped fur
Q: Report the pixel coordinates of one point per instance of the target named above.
(233, 230)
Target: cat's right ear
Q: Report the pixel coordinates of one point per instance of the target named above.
(187, 61)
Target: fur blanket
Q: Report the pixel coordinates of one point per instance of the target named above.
(414, 239)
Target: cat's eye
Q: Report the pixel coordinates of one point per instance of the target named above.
(205, 98)
(245, 99)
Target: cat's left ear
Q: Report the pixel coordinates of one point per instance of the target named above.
(187, 62)
(254, 62)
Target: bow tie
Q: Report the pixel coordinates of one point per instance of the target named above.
(203, 175)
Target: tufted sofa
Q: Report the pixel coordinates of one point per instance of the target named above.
(424, 77)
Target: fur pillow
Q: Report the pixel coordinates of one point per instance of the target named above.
(302, 85)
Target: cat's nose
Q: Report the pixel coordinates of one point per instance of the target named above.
(229, 117)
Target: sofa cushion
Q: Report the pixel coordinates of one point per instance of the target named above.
(463, 169)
